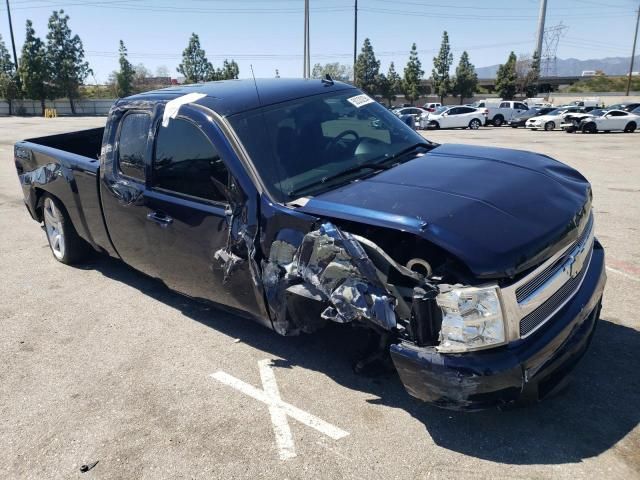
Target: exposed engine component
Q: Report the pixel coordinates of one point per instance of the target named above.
(421, 266)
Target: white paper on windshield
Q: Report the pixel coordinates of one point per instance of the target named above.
(360, 100)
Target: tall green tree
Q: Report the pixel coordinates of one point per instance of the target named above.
(411, 83)
(8, 77)
(65, 56)
(506, 79)
(367, 69)
(34, 69)
(126, 75)
(336, 70)
(441, 64)
(195, 67)
(466, 79)
(230, 70)
(390, 84)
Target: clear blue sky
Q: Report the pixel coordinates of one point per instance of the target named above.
(269, 33)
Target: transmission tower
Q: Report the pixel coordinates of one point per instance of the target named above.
(548, 59)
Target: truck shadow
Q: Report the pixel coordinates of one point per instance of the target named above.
(599, 407)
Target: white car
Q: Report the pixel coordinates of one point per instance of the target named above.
(499, 112)
(455, 117)
(415, 112)
(431, 107)
(608, 121)
(553, 119)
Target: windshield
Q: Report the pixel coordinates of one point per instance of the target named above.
(597, 113)
(556, 111)
(440, 110)
(308, 141)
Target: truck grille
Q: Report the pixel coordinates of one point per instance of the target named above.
(536, 297)
(532, 285)
(548, 308)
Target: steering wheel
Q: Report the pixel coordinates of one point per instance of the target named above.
(334, 141)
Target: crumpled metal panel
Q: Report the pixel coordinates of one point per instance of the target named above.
(333, 264)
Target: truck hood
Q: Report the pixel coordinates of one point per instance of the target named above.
(499, 211)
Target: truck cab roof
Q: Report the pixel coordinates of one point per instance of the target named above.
(228, 97)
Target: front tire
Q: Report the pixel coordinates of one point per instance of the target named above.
(630, 128)
(549, 126)
(589, 128)
(66, 245)
(474, 124)
(435, 125)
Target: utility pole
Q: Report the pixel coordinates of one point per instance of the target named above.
(355, 38)
(541, 18)
(633, 52)
(13, 42)
(307, 61)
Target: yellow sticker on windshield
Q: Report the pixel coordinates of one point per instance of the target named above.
(360, 100)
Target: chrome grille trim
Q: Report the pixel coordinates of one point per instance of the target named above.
(538, 317)
(566, 267)
(538, 280)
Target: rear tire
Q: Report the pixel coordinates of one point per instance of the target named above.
(549, 126)
(630, 128)
(474, 124)
(66, 245)
(498, 120)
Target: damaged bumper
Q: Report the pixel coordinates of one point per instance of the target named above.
(527, 369)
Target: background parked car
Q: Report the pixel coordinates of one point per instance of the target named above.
(553, 119)
(501, 111)
(608, 121)
(431, 107)
(521, 119)
(627, 107)
(416, 113)
(455, 117)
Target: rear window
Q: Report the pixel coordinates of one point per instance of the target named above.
(132, 145)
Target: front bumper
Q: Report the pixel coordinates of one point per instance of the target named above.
(527, 369)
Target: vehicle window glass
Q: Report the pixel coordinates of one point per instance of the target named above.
(295, 145)
(454, 111)
(466, 109)
(504, 105)
(521, 106)
(186, 162)
(617, 114)
(132, 144)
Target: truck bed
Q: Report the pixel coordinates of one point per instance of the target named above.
(86, 143)
(67, 167)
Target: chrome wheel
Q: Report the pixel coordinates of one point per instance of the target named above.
(53, 224)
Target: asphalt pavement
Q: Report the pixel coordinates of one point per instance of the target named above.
(102, 364)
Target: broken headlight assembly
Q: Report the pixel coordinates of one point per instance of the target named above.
(471, 318)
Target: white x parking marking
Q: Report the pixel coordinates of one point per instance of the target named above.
(279, 409)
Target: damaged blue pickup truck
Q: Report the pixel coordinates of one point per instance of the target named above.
(303, 202)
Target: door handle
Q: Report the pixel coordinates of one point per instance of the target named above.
(160, 218)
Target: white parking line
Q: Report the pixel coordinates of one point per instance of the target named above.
(624, 274)
(284, 439)
(279, 409)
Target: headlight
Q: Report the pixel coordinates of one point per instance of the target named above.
(471, 318)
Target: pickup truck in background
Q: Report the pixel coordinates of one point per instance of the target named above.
(500, 112)
(304, 202)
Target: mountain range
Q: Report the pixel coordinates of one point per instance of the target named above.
(569, 67)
